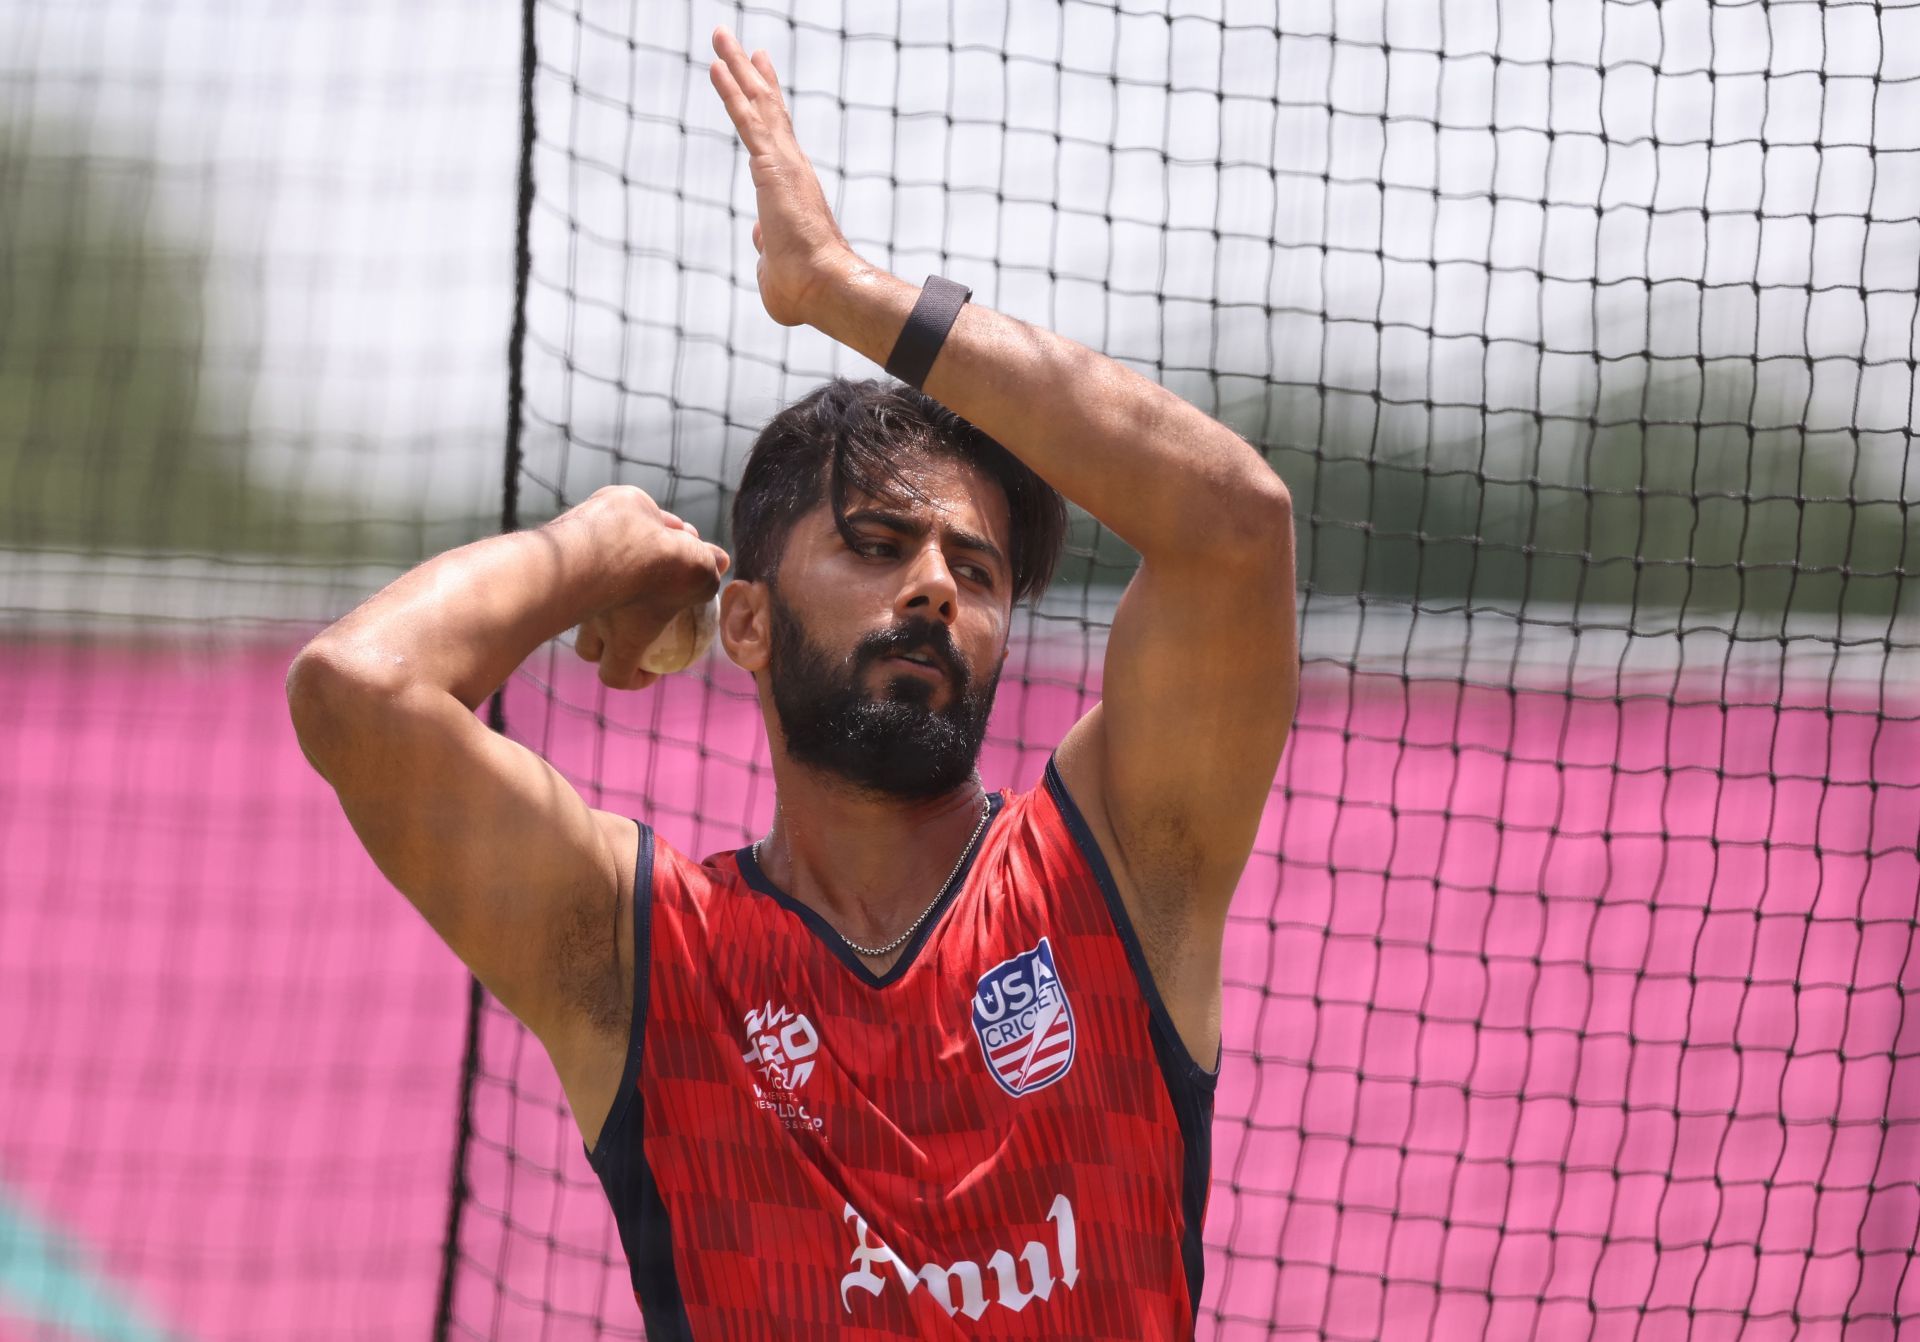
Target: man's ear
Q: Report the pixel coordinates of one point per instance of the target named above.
(746, 630)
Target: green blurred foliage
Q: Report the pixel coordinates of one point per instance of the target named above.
(1662, 497)
(1656, 494)
(110, 438)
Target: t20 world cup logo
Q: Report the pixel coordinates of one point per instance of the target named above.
(1024, 1024)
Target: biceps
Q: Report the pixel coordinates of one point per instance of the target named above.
(1202, 672)
(500, 855)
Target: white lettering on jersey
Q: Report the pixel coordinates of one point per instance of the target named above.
(781, 1044)
(960, 1288)
(1024, 1021)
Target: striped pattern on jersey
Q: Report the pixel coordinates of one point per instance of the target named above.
(1037, 1057)
(1000, 1137)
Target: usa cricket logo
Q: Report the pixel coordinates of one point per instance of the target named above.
(1025, 1026)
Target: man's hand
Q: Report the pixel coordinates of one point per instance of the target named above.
(680, 570)
(801, 247)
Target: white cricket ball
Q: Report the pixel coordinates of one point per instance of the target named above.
(684, 641)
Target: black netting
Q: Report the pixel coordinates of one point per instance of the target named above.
(1567, 989)
(1564, 988)
(255, 271)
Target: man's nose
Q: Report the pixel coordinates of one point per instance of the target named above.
(930, 590)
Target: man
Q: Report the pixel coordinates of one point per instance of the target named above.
(924, 1061)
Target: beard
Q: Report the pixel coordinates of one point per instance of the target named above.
(896, 745)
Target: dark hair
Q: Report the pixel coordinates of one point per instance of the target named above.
(846, 437)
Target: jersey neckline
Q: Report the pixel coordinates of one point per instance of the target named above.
(823, 931)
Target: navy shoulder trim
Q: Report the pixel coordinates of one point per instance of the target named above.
(619, 1156)
(1190, 1069)
(623, 1100)
(1189, 1085)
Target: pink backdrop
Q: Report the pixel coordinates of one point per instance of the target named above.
(1545, 1015)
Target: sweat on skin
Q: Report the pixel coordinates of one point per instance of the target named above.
(1167, 776)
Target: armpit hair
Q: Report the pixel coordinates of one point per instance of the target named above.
(586, 952)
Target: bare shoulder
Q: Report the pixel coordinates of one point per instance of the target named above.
(1179, 935)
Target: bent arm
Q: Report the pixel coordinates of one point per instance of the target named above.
(1173, 767)
(498, 852)
(1166, 478)
(1202, 665)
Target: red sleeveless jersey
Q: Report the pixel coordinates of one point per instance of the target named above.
(1002, 1136)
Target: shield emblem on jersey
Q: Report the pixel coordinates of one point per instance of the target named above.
(1024, 1024)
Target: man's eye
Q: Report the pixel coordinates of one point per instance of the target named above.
(976, 574)
(875, 549)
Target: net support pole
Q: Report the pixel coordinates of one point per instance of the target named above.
(496, 706)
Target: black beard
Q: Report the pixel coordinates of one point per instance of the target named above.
(896, 745)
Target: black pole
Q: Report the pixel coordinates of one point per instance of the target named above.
(522, 271)
(496, 706)
(457, 1194)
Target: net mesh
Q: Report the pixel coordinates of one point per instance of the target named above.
(1564, 988)
(255, 263)
(1567, 988)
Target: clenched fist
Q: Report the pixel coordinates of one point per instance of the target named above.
(675, 578)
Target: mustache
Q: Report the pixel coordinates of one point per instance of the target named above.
(914, 635)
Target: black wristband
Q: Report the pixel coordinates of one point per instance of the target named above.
(926, 329)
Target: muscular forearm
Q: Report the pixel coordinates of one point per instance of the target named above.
(1165, 477)
(462, 621)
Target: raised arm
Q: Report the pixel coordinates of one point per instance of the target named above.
(504, 859)
(1202, 666)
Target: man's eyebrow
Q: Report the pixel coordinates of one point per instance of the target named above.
(911, 526)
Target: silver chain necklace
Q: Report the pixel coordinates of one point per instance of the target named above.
(901, 940)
